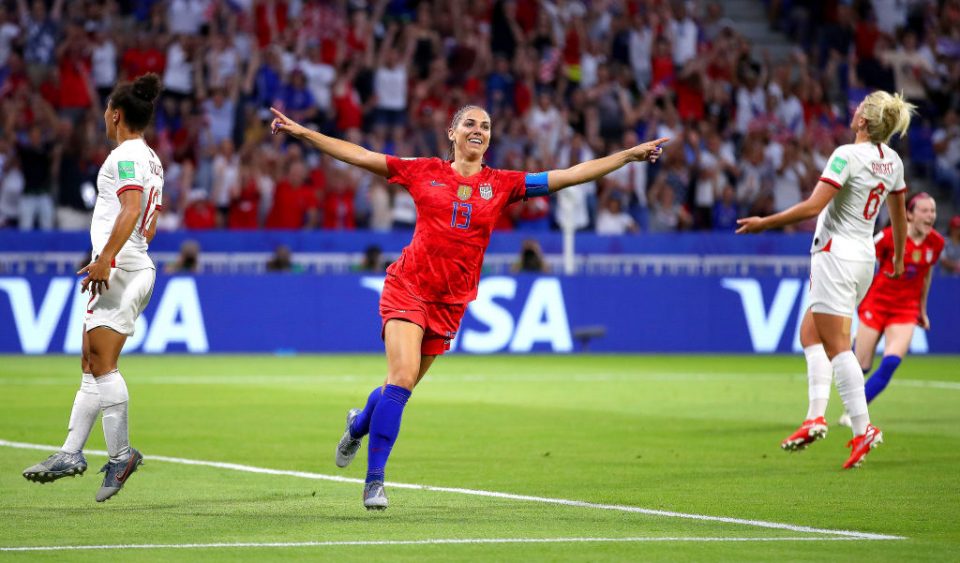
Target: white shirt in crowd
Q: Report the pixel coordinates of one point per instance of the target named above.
(684, 34)
(184, 17)
(104, 58)
(131, 166)
(320, 79)
(788, 186)
(864, 174)
(632, 177)
(614, 223)
(390, 87)
(178, 75)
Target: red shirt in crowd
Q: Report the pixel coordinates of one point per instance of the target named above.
(245, 208)
(200, 215)
(137, 62)
(290, 206)
(74, 85)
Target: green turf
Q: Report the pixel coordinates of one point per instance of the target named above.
(692, 434)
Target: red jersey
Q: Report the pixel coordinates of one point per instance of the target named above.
(455, 216)
(903, 294)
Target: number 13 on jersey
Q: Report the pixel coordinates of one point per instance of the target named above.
(461, 215)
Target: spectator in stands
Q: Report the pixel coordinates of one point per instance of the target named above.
(200, 212)
(950, 259)
(531, 259)
(946, 145)
(725, 211)
(35, 156)
(613, 220)
(295, 204)
(188, 262)
(245, 201)
(11, 189)
(76, 176)
(386, 75)
(281, 261)
(666, 214)
(373, 260)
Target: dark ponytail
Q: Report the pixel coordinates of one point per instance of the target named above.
(136, 99)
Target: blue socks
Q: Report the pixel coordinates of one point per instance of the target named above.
(361, 424)
(384, 428)
(880, 378)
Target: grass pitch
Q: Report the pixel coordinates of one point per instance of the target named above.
(693, 435)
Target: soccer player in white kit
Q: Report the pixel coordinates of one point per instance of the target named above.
(857, 179)
(120, 280)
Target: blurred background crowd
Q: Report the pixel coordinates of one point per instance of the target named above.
(564, 81)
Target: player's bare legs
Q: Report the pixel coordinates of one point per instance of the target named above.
(103, 352)
(866, 345)
(834, 331)
(819, 376)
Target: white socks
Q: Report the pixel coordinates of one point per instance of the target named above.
(86, 407)
(850, 387)
(819, 375)
(113, 403)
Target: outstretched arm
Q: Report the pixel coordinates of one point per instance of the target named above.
(811, 207)
(339, 149)
(599, 167)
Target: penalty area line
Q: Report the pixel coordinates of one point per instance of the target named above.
(450, 541)
(492, 494)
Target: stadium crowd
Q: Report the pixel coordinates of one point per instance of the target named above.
(563, 80)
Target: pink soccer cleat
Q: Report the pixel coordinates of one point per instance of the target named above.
(809, 432)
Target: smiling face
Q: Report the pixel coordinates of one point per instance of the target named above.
(470, 135)
(923, 216)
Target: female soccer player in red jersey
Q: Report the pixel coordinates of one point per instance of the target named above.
(427, 289)
(894, 307)
(857, 179)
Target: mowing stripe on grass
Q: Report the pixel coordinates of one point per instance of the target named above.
(451, 541)
(492, 494)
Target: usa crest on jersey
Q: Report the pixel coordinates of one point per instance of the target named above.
(486, 191)
(464, 192)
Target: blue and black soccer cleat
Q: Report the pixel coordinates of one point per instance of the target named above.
(60, 464)
(117, 473)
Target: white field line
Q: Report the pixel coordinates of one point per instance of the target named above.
(494, 494)
(452, 541)
(461, 378)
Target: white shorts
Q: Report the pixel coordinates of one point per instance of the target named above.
(837, 286)
(118, 307)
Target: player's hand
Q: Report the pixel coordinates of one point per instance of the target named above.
(924, 321)
(750, 225)
(649, 151)
(897, 270)
(283, 124)
(98, 277)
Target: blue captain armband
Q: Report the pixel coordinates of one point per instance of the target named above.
(536, 183)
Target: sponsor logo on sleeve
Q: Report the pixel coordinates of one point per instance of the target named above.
(838, 164)
(126, 169)
(486, 191)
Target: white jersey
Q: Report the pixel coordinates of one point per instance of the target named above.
(864, 174)
(130, 166)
